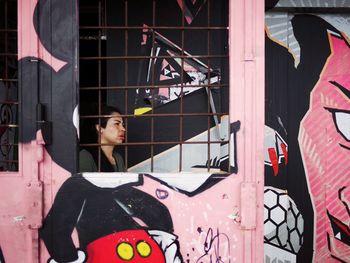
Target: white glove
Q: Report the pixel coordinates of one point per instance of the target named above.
(168, 244)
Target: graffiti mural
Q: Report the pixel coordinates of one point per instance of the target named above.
(173, 74)
(195, 156)
(324, 142)
(122, 212)
(191, 8)
(178, 77)
(284, 225)
(108, 221)
(306, 135)
(8, 88)
(164, 216)
(46, 89)
(57, 79)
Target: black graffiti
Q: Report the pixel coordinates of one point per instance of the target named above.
(181, 93)
(162, 194)
(2, 260)
(212, 242)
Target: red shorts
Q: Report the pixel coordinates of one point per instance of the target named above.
(130, 246)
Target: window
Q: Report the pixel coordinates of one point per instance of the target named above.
(8, 86)
(165, 65)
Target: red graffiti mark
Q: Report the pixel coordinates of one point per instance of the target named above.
(285, 153)
(274, 160)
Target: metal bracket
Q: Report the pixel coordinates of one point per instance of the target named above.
(35, 205)
(42, 124)
(248, 206)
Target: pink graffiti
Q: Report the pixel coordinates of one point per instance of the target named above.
(205, 230)
(29, 44)
(326, 153)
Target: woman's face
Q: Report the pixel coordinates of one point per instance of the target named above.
(114, 132)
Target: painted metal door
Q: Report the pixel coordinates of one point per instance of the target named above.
(307, 108)
(57, 215)
(46, 82)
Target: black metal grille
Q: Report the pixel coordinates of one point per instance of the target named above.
(136, 57)
(8, 86)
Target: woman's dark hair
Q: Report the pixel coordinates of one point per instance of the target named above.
(89, 134)
(87, 127)
(106, 110)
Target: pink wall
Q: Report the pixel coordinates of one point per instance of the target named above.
(24, 193)
(27, 195)
(247, 105)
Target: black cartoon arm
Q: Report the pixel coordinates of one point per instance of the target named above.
(61, 220)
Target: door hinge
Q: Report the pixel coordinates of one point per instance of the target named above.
(42, 124)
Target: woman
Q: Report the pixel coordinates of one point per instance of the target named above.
(110, 132)
(115, 221)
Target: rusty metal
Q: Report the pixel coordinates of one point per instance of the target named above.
(215, 86)
(8, 161)
(9, 125)
(10, 42)
(182, 87)
(156, 115)
(9, 102)
(152, 83)
(8, 80)
(8, 54)
(155, 143)
(153, 27)
(8, 30)
(126, 72)
(151, 57)
(99, 84)
(208, 90)
(126, 57)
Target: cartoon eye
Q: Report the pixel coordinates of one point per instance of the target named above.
(341, 120)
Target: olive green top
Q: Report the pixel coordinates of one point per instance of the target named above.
(88, 164)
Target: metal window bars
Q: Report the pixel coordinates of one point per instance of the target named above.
(173, 100)
(8, 86)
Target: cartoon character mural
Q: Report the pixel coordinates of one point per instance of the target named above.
(324, 142)
(53, 75)
(116, 222)
(8, 88)
(8, 116)
(47, 95)
(177, 75)
(175, 223)
(120, 218)
(154, 217)
(106, 211)
(306, 135)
